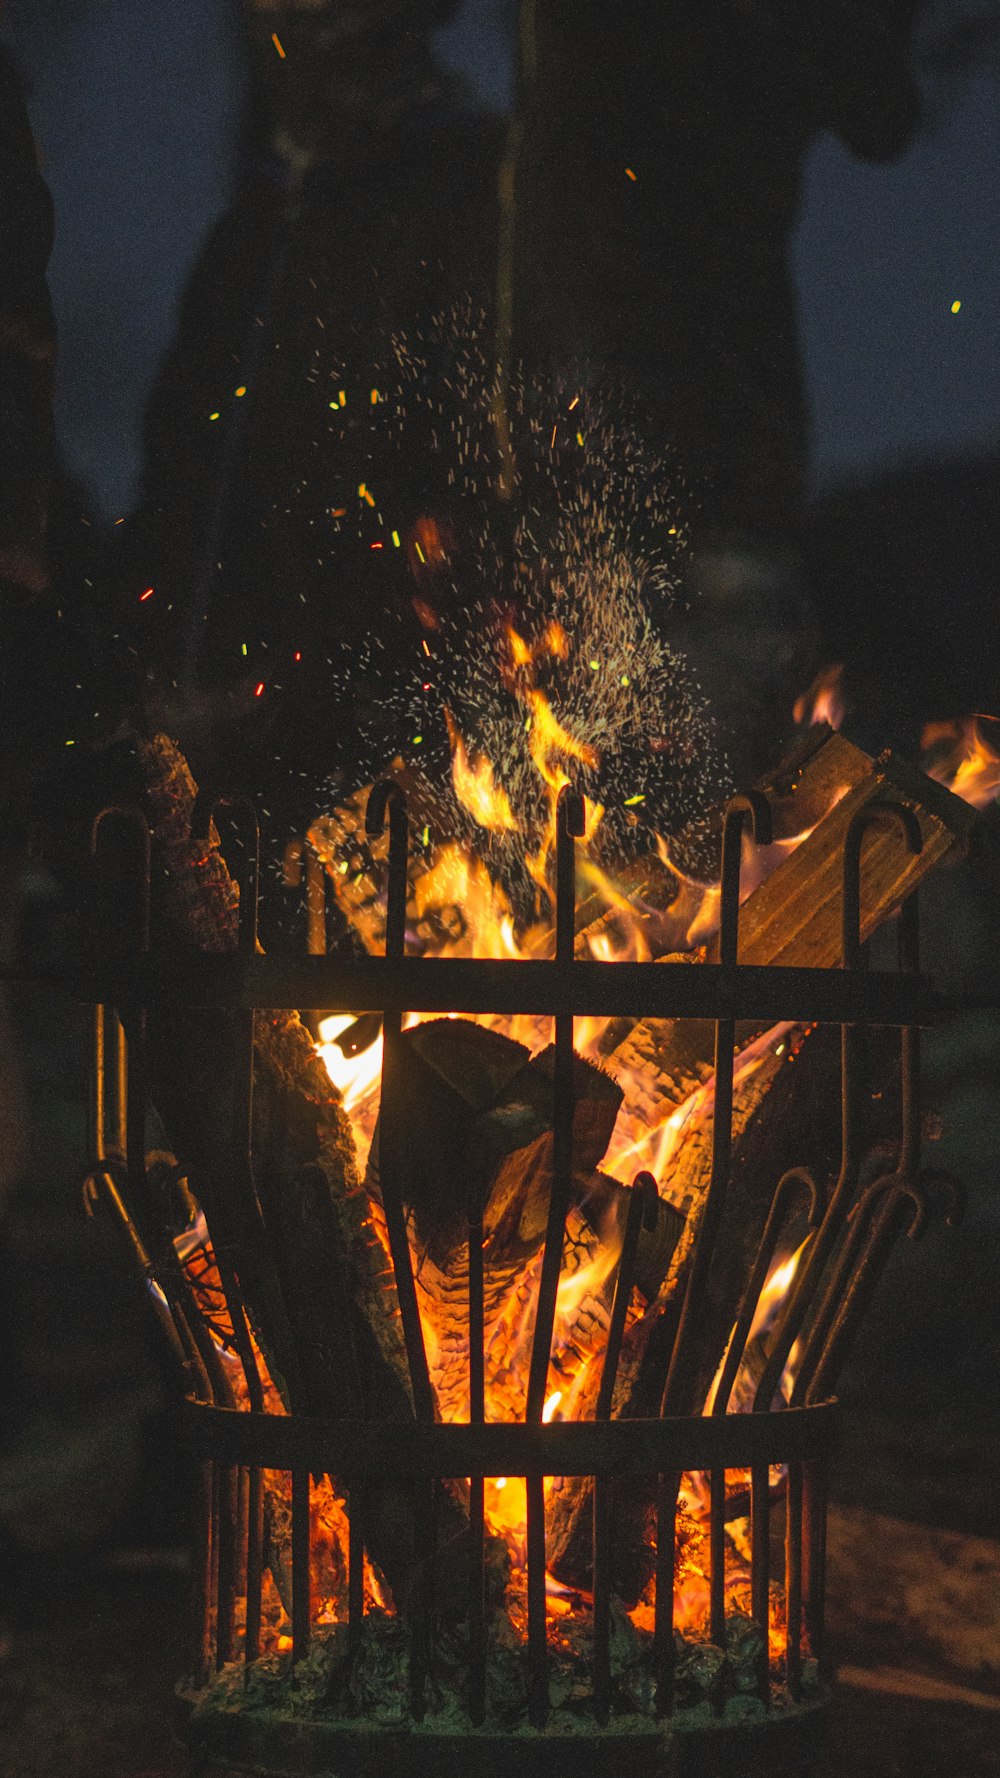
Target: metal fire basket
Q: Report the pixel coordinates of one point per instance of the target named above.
(233, 1448)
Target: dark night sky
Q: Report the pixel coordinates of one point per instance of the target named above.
(135, 106)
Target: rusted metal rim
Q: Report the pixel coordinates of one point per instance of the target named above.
(362, 1450)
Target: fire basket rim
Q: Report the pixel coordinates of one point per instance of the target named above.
(410, 1450)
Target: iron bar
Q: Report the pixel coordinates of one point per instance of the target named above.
(810, 1274)
(717, 1557)
(642, 1212)
(477, 1417)
(388, 799)
(760, 1566)
(664, 1657)
(407, 1450)
(255, 1565)
(814, 1491)
(793, 1580)
(864, 1276)
(777, 1217)
(355, 1569)
(569, 828)
(228, 1522)
(201, 1572)
(739, 808)
(301, 1577)
(756, 993)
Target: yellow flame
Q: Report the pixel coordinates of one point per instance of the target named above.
(476, 788)
(966, 762)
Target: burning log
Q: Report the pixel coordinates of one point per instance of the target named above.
(327, 1319)
(476, 1109)
(794, 917)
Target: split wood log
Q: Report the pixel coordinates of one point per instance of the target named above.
(792, 918)
(340, 1349)
(475, 1116)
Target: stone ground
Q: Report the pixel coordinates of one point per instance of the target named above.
(91, 1527)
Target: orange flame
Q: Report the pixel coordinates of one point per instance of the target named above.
(824, 701)
(963, 759)
(476, 788)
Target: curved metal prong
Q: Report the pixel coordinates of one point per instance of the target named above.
(753, 807)
(388, 801)
(791, 1182)
(872, 815)
(874, 1226)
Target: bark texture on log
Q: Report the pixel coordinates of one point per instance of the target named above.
(335, 1282)
(476, 1116)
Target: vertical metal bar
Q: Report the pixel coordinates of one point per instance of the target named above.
(663, 1623)
(682, 1358)
(477, 1416)
(717, 1557)
(121, 1078)
(760, 1567)
(242, 1508)
(538, 1662)
(355, 1571)
(213, 1580)
(603, 1507)
(301, 1578)
(814, 1493)
(793, 1579)
(642, 1209)
(811, 1271)
(228, 1523)
(388, 798)
(255, 1564)
(569, 827)
(98, 1101)
(776, 1219)
(203, 1491)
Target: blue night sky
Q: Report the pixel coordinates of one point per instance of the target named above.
(136, 105)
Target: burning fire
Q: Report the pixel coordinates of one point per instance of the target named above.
(824, 701)
(453, 877)
(456, 908)
(959, 755)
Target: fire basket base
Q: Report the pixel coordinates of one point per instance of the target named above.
(284, 1744)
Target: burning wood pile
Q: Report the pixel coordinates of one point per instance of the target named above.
(666, 1217)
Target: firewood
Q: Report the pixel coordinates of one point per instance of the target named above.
(476, 1119)
(794, 918)
(336, 1288)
